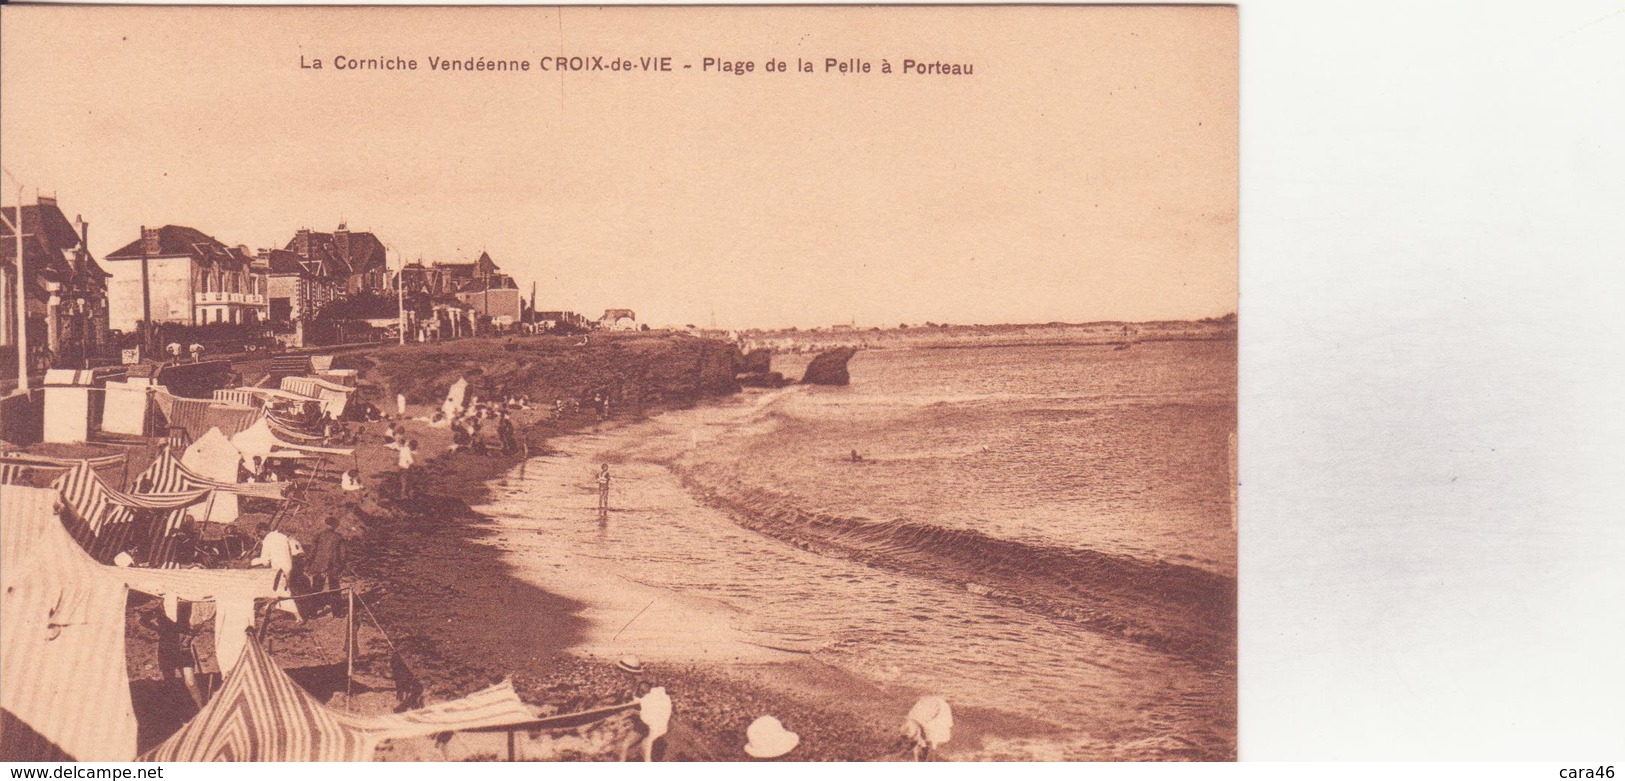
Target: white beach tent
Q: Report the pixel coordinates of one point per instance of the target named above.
(213, 456)
(124, 408)
(258, 440)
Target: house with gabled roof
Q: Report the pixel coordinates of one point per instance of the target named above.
(360, 257)
(192, 278)
(295, 288)
(496, 297)
(65, 288)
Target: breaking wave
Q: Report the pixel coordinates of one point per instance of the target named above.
(1166, 607)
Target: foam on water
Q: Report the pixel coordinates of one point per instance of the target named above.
(1041, 530)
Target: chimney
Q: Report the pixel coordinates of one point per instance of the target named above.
(149, 241)
(80, 257)
(301, 243)
(45, 200)
(341, 239)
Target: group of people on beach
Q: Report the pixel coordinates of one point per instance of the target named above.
(471, 425)
(308, 583)
(314, 580)
(657, 736)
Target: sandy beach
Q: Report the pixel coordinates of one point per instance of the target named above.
(470, 599)
(498, 567)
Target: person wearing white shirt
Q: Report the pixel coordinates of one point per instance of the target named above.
(654, 710)
(277, 551)
(405, 462)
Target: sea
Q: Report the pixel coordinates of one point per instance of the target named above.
(1041, 531)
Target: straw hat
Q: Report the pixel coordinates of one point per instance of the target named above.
(630, 664)
(766, 738)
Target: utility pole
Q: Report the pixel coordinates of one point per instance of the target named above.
(400, 299)
(22, 300)
(146, 300)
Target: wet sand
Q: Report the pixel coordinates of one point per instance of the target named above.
(468, 604)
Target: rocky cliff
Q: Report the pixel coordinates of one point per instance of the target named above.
(632, 368)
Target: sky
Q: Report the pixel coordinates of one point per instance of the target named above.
(1086, 170)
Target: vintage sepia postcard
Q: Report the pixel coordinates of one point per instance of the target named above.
(636, 383)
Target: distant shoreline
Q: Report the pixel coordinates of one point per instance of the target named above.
(958, 336)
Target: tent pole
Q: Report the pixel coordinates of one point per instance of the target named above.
(349, 646)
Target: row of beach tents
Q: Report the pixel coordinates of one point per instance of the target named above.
(64, 694)
(64, 691)
(136, 406)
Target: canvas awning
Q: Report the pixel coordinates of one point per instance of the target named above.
(63, 690)
(262, 715)
(197, 416)
(98, 504)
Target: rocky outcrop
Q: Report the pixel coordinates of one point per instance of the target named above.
(756, 362)
(829, 368)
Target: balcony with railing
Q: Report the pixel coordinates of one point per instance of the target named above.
(244, 299)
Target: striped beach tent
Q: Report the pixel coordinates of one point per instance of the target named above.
(310, 386)
(262, 715)
(63, 688)
(99, 508)
(289, 428)
(18, 472)
(197, 416)
(304, 386)
(40, 471)
(244, 397)
(333, 396)
(98, 462)
(166, 470)
(167, 475)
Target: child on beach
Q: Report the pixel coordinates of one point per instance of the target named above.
(505, 432)
(603, 492)
(177, 657)
(405, 462)
(929, 724)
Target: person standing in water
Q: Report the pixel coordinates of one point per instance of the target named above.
(603, 492)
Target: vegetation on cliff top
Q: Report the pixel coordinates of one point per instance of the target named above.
(633, 368)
